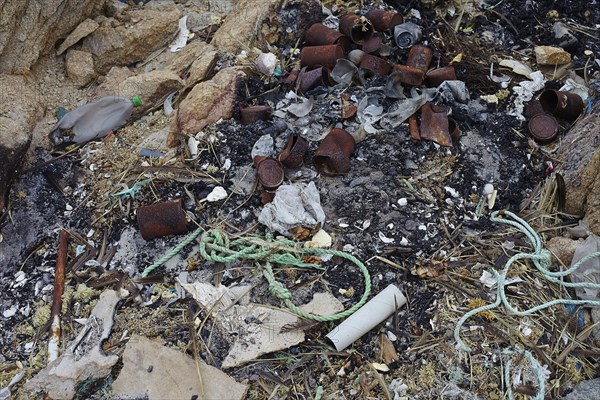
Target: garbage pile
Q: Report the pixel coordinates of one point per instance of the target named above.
(376, 200)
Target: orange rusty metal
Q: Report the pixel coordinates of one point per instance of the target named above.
(409, 75)
(332, 157)
(434, 124)
(357, 28)
(413, 127)
(319, 34)
(383, 20)
(419, 57)
(252, 114)
(162, 219)
(375, 64)
(436, 76)
(543, 128)
(562, 104)
(269, 171)
(326, 56)
(293, 152)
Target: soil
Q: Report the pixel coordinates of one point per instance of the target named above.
(435, 225)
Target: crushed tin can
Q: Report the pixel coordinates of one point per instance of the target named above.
(319, 35)
(292, 154)
(383, 20)
(325, 56)
(409, 75)
(413, 128)
(161, 219)
(407, 35)
(358, 29)
(435, 77)
(434, 124)
(419, 57)
(563, 105)
(332, 157)
(269, 172)
(375, 64)
(372, 45)
(308, 80)
(543, 128)
(252, 114)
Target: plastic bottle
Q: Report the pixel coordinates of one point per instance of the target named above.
(94, 120)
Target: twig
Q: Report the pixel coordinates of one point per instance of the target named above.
(59, 288)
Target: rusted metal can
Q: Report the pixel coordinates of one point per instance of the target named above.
(311, 79)
(407, 34)
(332, 157)
(293, 152)
(453, 129)
(434, 124)
(357, 28)
(409, 75)
(413, 128)
(543, 128)
(319, 35)
(326, 56)
(383, 20)
(269, 171)
(562, 104)
(534, 108)
(436, 76)
(252, 114)
(419, 57)
(375, 64)
(372, 45)
(161, 219)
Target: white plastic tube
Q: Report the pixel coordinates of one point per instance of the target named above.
(367, 317)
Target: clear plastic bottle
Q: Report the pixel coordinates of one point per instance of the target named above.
(93, 120)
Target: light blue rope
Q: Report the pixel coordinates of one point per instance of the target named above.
(536, 367)
(542, 260)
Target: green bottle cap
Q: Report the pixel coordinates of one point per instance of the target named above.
(137, 101)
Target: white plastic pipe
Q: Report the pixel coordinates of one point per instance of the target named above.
(367, 317)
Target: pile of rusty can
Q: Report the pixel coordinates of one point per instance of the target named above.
(359, 40)
(542, 114)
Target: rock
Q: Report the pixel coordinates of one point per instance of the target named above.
(112, 80)
(153, 371)
(147, 31)
(21, 105)
(153, 87)
(195, 57)
(562, 248)
(548, 55)
(29, 29)
(61, 378)
(581, 169)
(585, 390)
(80, 67)
(239, 30)
(323, 304)
(207, 103)
(83, 29)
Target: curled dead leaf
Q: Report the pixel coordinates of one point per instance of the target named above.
(432, 269)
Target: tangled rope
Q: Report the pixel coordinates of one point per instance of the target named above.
(542, 260)
(216, 246)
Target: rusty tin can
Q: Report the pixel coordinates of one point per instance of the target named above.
(252, 114)
(375, 64)
(534, 108)
(357, 28)
(332, 157)
(383, 20)
(326, 56)
(434, 124)
(319, 35)
(562, 104)
(409, 75)
(161, 219)
(419, 57)
(293, 152)
(543, 128)
(269, 171)
(435, 77)
(372, 45)
(311, 79)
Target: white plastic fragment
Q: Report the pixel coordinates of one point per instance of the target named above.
(577, 88)
(294, 205)
(517, 67)
(384, 238)
(301, 109)
(367, 317)
(218, 193)
(402, 202)
(168, 106)
(266, 63)
(182, 36)
(525, 91)
(380, 367)
(589, 271)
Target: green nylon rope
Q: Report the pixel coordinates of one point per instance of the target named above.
(283, 252)
(216, 246)
(542, 260)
